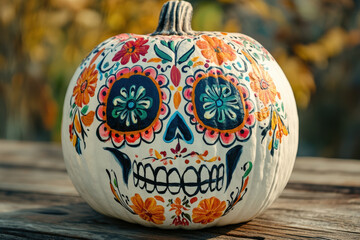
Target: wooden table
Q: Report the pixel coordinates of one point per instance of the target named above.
(38, 201)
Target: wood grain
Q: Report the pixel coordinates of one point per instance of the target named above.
(38, 201)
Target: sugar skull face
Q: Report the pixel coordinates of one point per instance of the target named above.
(174, 123)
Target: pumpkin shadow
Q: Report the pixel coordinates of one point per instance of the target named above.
(78, 220)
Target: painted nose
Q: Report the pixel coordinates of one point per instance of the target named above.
(178, 129)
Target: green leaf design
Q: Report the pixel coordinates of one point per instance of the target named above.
(186, 55)
(187, 216)
(74, 104)
(171, 46)
(282, 107)
(161, 54)
(190, 63)
(115, 182)
(163, 42)
(71, 113)
(248, 170)
(256, 56)
(84, 109)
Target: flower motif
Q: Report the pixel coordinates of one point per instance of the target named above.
(132, 106)
(178, 207)
(85, 86)
(208, 210)
(132, 49)
(219, 100)
(219, 107)
(79, 115)
(216, 50)
(261, 82)
(148, 210)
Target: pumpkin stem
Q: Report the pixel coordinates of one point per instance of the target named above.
(175, 19)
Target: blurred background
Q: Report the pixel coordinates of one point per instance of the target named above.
(316, 42)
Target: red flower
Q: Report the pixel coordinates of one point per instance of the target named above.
(132, 49)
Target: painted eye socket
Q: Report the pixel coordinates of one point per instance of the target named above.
(133, 104)
(218, 104)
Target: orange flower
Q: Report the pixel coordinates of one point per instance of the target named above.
(178, 207)
(148, 210)
(85, 86)
(261, 82)
(208, 210)
(216, 50)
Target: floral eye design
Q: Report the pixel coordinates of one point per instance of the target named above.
(130, 106)
(133, 104)
(218, 104)
(219, 107)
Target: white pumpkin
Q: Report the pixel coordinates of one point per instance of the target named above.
(179, 129)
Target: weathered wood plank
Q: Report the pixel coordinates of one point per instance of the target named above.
(13, 200)
(324, 171)
(38, 201)
(28, 155)
(36, 180)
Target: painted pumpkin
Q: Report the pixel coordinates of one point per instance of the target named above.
(179, 129)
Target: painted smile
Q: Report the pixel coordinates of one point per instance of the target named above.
(191, 180)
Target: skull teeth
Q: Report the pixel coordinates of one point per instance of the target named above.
(191, 181)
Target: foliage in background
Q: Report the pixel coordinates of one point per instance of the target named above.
(317, 43)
